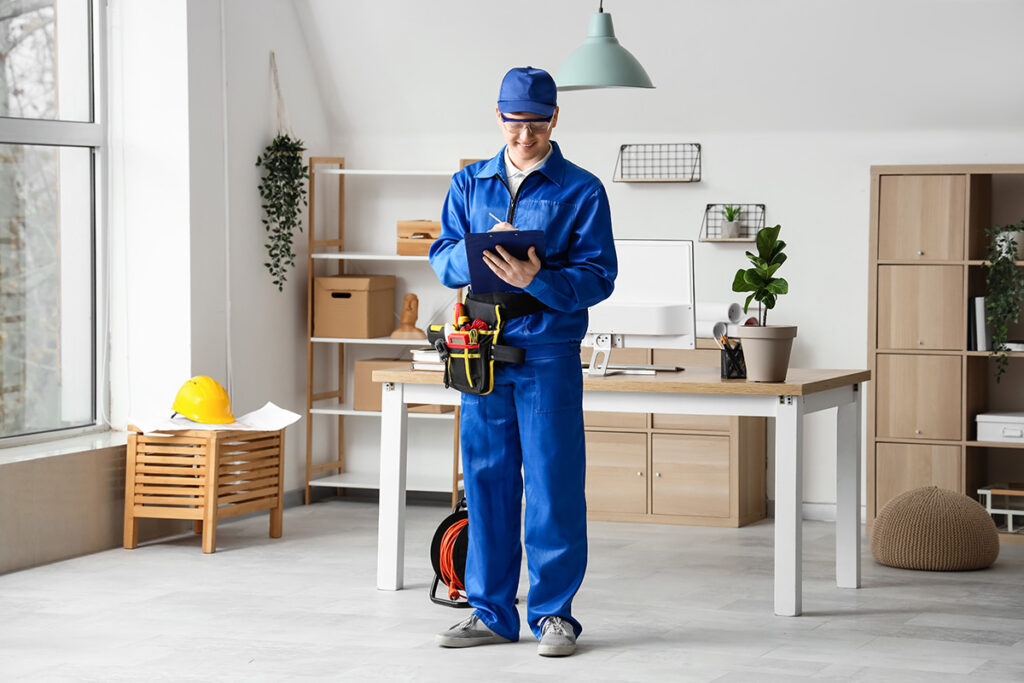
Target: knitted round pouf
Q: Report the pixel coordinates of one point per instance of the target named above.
(934, 529)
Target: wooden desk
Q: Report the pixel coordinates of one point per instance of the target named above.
(695, 391)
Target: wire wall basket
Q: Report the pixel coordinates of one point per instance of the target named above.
(677, 162)
(750, 219)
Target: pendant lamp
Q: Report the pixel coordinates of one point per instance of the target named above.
(601, 62)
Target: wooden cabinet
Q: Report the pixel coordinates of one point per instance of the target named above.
(928, 244)
(700, 423)
(918, 396)
(902, 467)
(690, 475)
(676, 469)
(616, 472)
(921, 217)
(914, 310)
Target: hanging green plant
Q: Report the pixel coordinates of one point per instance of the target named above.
(1005, 283)
(283, 191)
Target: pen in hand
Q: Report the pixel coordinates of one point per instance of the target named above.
(500, 223)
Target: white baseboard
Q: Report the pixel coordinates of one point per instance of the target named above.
(818, 512)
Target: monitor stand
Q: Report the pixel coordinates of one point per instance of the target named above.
(599, 365)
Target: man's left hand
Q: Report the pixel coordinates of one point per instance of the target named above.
(515, 272)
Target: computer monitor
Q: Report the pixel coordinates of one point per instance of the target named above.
(652, 305)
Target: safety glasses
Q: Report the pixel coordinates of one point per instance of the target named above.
(516, 126)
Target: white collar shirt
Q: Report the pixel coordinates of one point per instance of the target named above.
(515, 176)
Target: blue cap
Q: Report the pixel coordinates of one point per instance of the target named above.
(526, 89)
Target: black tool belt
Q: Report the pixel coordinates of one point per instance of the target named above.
(469, 363)
(513, 305)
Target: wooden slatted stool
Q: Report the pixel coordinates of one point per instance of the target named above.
(202, 475)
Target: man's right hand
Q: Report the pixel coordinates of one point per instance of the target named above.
(502, 226)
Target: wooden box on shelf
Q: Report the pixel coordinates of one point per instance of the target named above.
(204, 476)
(415, 237)
(366, 393)
(355, 306)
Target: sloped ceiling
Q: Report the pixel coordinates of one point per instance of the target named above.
(419, 67)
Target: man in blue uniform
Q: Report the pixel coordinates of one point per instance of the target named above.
(532, 421)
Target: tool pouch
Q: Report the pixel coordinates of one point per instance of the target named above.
(469, 367)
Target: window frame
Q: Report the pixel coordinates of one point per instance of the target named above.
(94, 136)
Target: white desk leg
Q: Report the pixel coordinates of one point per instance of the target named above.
(391, 526)
(789, 425)
(848, 493)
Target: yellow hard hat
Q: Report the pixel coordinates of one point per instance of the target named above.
(203, 399)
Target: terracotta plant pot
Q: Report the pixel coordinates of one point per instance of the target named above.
(765, 350)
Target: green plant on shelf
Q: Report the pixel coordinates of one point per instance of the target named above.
(731, 212)
(760, 280)
(283, 191)
(1005, 282)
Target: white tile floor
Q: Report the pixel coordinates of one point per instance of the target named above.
(660, 603)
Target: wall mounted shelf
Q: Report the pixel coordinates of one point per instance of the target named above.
(677, 162)
(751, 219)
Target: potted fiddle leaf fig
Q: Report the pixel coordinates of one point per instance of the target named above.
(1005, 282)
(766, 348)
(731, 224)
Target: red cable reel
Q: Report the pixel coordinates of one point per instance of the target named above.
(448, 557)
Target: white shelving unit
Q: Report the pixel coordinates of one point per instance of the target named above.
(377, 413)
(382, 172)
(369, 257)
(323, 406)
(371, 480)
(385, 341)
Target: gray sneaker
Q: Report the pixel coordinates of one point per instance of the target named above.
(557, 638)
(468, 633)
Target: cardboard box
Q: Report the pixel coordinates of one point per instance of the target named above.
(429, 408)
(366, 393)
(415, 237)
(355, 306)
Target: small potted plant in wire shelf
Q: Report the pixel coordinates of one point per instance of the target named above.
(766, 348)
(730, 228)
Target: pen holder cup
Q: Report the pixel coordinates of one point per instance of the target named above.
(733, 364)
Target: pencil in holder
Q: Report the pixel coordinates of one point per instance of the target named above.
(733, 364)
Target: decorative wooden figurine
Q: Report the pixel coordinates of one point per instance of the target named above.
(410, 312)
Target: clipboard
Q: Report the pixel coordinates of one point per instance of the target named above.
(516, 242)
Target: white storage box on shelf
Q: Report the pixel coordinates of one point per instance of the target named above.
(1001, 427)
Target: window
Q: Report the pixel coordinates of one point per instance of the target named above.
(51, 145)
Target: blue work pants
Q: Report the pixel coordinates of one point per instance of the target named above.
(530, 427)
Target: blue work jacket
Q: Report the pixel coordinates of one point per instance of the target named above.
(570, 205)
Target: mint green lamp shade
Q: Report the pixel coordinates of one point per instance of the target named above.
(601, 62)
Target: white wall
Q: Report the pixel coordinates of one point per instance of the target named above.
(195, 110)
(792, 100)
(149, 207)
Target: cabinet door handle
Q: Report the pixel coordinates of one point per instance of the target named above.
(920, 253)
(639, 474)
(920, 341)
(657, 474)
(917, 431)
